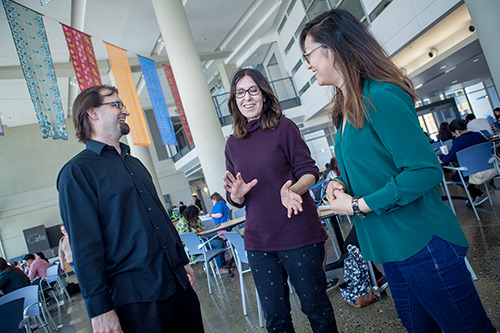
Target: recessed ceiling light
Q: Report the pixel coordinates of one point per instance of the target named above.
(442, 67)
(454, 81)
(475, 60)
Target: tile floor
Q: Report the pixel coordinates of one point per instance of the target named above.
(222, 311)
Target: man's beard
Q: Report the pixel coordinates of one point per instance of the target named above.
(124, 128)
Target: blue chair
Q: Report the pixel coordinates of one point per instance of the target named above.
(237, 247)
(472, 160)
(436, 145)
(208, 223)
(195, 247)
(11, 314)
(239, 213)
(33, 308)
(55, 284)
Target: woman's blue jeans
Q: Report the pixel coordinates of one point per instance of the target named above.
(218, 243)
(304, 265)
(433, 291)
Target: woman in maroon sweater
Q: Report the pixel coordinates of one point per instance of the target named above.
(269, 170)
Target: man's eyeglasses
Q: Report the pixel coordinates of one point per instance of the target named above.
(117, 104)
(308, 53)
(253, 90)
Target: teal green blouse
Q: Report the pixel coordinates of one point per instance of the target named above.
(391, 164)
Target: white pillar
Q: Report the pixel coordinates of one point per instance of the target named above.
(77, 22)
(484, 14)
(193, 90)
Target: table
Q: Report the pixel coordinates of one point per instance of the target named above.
(224, 226)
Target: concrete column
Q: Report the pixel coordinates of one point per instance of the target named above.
(484, 14)
(193, 90)
(226, 74)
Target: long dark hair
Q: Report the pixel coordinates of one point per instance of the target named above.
(271, 110)
(90, 97)
(217, 197)
(358, 56)
(4, 266)
(444, 133)
(191, 214)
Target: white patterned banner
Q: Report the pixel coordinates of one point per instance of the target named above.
(28, 32)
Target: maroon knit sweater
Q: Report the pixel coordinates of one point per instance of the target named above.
(273, 157)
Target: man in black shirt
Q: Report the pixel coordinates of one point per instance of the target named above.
(130, 262)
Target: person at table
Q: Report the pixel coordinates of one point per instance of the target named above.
(464, 139)
(220, 211)
(390, 179)
(190, 222)
(478, 125)
(41, 255)
(11, 278)
(269, 171)
(444, 133)
(37, 267)
(496, 113)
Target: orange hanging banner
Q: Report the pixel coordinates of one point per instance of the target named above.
(128, 93)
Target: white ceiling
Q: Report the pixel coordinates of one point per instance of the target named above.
(236, 26)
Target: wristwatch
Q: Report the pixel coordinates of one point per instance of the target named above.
(357, 213)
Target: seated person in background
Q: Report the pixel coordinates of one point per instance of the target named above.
(220, 211)
(496, 113)
(189, 222)
(477, 125)
(444, 133)
(182, 206)
(41, 255)
(464, 139)
(11, 277)
(37, 267)
(428, 137)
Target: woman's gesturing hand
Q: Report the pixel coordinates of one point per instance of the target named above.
(237, 187)
(291, 200)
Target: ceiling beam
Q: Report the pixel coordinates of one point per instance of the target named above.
(65, 69)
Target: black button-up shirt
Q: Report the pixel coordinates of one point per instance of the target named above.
(125, 247)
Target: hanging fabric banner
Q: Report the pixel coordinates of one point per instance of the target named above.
(158, 102)
(128, 93)
(82, 57)
(1, 128)
(28, 32)
(178, 103)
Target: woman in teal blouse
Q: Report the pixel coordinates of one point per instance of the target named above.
(389, 179)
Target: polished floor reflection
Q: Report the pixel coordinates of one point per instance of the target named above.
(222, 311)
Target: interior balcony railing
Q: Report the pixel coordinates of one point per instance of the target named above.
(283, 88)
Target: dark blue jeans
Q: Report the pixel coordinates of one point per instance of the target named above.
(433, 291)
(218, 243)
(304, 265)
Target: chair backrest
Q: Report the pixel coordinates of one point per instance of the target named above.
(209, 223)
(239, 213)
(11, 314)
(475, 158)
(191, 241)
(485, 133)
(30, 296)
(448, 143)
(436, 145)
(238, 244)
(52, 273)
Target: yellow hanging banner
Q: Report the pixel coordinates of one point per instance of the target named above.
(128, 93)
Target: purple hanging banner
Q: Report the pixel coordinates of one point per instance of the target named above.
(28, 33)
(1, 128)
(158, 102)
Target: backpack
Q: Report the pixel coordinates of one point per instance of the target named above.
(356, 289)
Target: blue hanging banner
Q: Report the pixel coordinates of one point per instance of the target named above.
(28, 32)
(158, 102)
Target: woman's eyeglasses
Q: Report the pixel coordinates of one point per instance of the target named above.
(308, 53)
(253, 90)
(117, 104)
